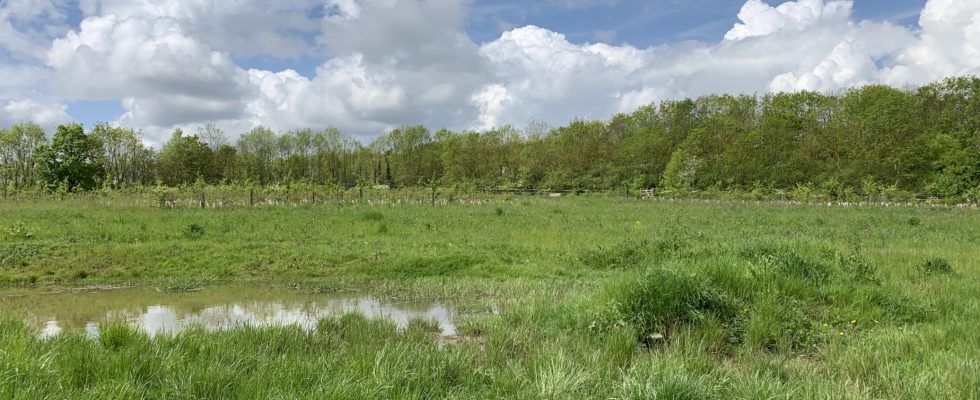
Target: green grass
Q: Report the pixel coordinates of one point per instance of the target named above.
(599, 298)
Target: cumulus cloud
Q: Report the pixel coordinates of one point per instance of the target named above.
(29, 110)
(760, 19)
(21, 36)
(392, 62)
(164, 76)
(244, 28)
(948, 45)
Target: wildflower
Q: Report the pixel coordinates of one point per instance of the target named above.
(854, 322)
(841, 333)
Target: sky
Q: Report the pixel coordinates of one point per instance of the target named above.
(368, 66)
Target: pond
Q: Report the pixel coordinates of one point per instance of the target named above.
(215, 308)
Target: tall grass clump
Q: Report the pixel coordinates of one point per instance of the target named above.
(627, 254)
(935, 266)
(660, 300)
(448, 265)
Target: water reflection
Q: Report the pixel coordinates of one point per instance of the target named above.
(214, 308)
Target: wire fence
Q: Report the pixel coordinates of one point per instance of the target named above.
(228, 196)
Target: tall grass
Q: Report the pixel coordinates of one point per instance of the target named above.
(597, 298)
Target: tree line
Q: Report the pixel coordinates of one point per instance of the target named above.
(923, 140)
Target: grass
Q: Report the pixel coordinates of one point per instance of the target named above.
(599, 298)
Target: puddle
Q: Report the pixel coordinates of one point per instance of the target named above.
(214, 308)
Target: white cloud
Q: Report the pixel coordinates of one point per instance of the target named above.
(28, 110)
(243, 28)
(27, 26)
(760, 19)
(393, 62)
(948, 45)
(163, 76)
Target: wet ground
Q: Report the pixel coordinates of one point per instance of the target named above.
(221, 307)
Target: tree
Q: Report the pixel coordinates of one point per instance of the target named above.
(184, 159)
(71, 158)
(256, 151)
(18, 146)
(212, 136)
(124, 158)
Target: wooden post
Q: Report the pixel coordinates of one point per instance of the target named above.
(202, 200)
(314, 197)
(251, 197)
(433, 194)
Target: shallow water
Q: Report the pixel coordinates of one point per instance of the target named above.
(214, 308)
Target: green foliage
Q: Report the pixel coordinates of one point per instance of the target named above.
(18, 230)
(70, 159)
(184, 160)
(630, 253)
(195, 231)
(872, 143)
(936, 266)
(449, 265)
(660, 300)
(725, 300)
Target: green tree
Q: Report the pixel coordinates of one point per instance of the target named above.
(256, 151)
(71, 159)
(185, 159)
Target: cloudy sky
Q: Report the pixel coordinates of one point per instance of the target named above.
(366, 66)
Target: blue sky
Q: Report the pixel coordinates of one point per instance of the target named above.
(369, 65)
(640, 23)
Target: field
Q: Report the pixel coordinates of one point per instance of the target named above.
(598, 298)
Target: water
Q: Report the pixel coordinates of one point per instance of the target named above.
(213, 308)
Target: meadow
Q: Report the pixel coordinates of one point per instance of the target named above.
(598, 297)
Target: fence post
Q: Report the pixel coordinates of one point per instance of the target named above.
(314, 197)
(202, 200)
(251, 197)
(433, 195)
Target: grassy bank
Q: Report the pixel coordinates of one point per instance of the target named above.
(600, 298)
